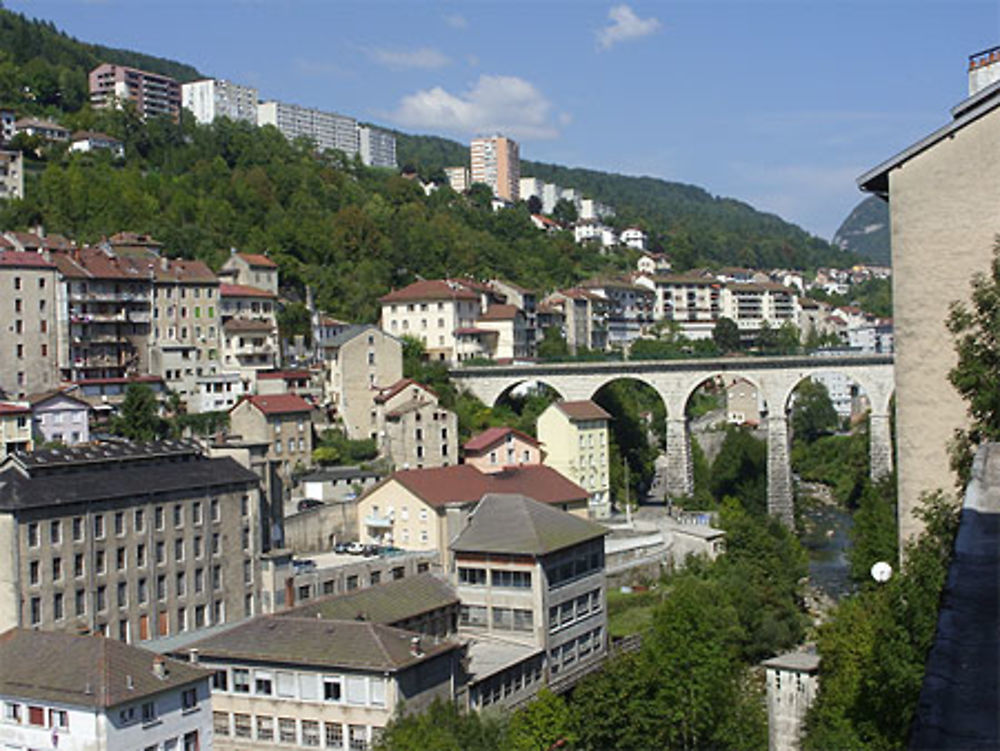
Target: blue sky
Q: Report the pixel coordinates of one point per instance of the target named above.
(779, 103)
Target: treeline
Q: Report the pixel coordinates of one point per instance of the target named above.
(349, 231)
(695, 227)
(44, 71)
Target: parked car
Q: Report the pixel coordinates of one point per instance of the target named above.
(340, 547)
(307, 503)
(303, 565)
(370, 550)
(355, 548)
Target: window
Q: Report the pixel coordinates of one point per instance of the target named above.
(378, 692)
(331, 688)
(198, 547)
(33, 573)
(358, 737)
(189, 698)
(119, 523)
(80, 602)
(77, 528)
(356, 689)
(214, 506)
(472, 576)
(99, 561)
(334, 732)
(220, 680)
(120, 559)
(140, 520)
(178, 515)
(55, 532)
(472, 615)
(220, 723)
(199, 580)
(158, 517)
(241, 681)
(215, 543)
(102, 598)
(33, 539)
(286, 730)
(310, 733)
(196, 513)
(140, 555)
(56, 568)
(57, 606)
(122, 595)
(12, 712)
(161, 552)
(36, 716)
(149, 711)
(216, 577)
(99, 526)
(265, 728)
(161, 587)
(178, 550)
(516, 579)
(241, 725)
(263, 684)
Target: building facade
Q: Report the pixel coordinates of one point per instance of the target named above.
(414, 430)
(283, 422)
(360, 362)
(327, 130)
(133, 542)
(29, 344)
(15, 428)
(153, 95)
(11, 175)
(434, 311)
(574, 436)
(497, 448)
(216, 97)
(377, 147)
(79, 693)
(496, 162)
(59, 416)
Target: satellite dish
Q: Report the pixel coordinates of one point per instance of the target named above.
(881, 572)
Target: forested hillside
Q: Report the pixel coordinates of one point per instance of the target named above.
(349, 231)
(44, 71)
(695, 227)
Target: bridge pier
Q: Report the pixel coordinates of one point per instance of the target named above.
(680, 473)
(779, 471)
(879, 445)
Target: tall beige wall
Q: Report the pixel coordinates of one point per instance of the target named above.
(944, 215)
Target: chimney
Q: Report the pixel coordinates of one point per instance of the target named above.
(159, 667)
(129, 683)
(193, 656)
(415, 647)
(984, 69)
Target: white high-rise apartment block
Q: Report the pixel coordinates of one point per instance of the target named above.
(378, 147)
(215, 97)
(496, 161)
(327, 130)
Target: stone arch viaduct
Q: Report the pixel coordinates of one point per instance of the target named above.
(676, 380)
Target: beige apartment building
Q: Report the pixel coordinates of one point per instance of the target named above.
(11, 175)
(435, 312)
(249, 323)
(943, 192)
(694, 302)
(574, 436)
(29, 345)
(15, 428)
(284, 423)
(311, 681)
(361, 361)
(251, 270)
(131, 541)
(530, 575)
(415, 431)
(496, 161)
(497, 448)
(423, 509)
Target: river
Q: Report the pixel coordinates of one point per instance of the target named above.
(826, 538)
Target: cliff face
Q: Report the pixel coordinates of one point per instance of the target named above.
(865, 231)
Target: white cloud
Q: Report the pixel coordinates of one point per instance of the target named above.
(504, 104)
(456, 21)
(625, 25)
(425, 57)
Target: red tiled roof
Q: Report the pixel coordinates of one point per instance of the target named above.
(279, 404)
(387, 393)
(583, 410)
(499, 313)
(95, 263)
(256, 259)
(431, 289)
(127, 379)
(24, 259)
(241, 290)
(283, 374)
(8, 408)
(463, 483)
(492, 436)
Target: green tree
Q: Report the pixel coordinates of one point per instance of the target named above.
(138, 417)
(553, 344)
(542, 724)
(442, 727)
(534, 205)
(874, 531)
(976, 329)
(564, 211)
(813, 414)
(740, 470)
(726, 335)
(294, 320)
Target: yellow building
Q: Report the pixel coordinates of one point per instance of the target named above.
(424, 509)
(574, 436)
(15, 428)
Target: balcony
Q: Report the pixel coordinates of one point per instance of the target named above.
(378, 522)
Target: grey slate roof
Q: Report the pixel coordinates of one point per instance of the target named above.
(349, 333)
(84, 671)
(110, 481)
(387, 603)
(511, 523)
(340, 473)
(321, 643)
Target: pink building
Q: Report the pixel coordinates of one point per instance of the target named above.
(496, 449)
(151, 94)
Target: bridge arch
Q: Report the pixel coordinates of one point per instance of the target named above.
(508, 392)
